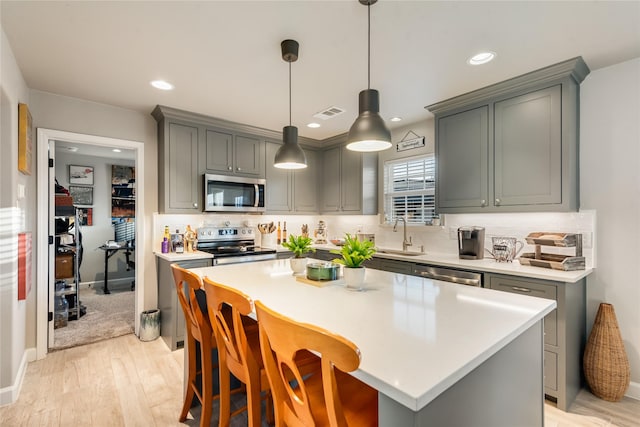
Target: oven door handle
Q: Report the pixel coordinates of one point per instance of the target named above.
(257, 197)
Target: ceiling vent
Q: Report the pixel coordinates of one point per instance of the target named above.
(329, 113)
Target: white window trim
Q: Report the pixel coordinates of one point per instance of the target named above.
(388, 217)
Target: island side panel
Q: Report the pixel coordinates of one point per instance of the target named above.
(506, 390)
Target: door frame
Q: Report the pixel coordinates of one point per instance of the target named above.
(43, 184)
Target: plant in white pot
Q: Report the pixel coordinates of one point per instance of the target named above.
(299, 245)
(353, 253)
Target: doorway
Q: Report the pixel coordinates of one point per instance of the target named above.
(46, 141)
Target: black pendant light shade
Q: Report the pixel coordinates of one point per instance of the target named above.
(368, 132)
(290, 154)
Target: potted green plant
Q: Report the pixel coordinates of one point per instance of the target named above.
(353, 253)
(299, 245)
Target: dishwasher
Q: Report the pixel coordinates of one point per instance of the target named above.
(462, 277)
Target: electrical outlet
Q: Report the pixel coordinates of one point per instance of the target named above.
(453, 233)
(587, 240)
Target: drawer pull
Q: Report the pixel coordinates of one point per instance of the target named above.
(519, 289)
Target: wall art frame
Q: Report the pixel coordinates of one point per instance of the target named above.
(81, 195)
(82, 175)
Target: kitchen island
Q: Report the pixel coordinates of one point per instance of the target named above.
(438, 353)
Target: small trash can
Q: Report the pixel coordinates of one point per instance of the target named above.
(149, 325)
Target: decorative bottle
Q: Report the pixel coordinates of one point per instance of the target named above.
(279, 234)
(284, 232)
(165, 245)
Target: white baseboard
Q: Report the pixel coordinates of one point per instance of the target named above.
(633, 391)
(117, 283)
(10, 394)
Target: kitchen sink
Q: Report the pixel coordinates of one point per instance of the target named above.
(399, 252)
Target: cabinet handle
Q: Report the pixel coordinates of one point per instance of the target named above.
(483, 202)
(229, 168)
(195, 205)
(497, 202)
(239, 169)
(519, 289)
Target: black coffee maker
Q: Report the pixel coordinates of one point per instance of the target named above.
(471, 242)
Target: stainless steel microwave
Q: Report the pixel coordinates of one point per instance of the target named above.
(233, 194)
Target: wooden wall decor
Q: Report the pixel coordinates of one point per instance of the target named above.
(25, 139)
(24, 265)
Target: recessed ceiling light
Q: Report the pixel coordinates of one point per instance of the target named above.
(396, 119)
(72, 149)
(117, 150)
(313, 125)
(162, 85)
(481, 58)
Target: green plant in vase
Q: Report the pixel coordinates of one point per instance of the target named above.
(353, 253)
(299, 245)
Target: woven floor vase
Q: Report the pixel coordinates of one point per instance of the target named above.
(606, 366)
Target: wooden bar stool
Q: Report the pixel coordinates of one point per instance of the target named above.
(239, 349)
(332, 398)
(191, 296)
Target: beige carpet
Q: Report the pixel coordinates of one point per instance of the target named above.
(108, 316)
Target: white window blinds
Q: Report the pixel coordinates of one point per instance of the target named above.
(409, 190)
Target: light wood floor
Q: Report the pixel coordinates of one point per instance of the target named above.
(126, 382)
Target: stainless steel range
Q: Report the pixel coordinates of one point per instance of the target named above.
(231, 245)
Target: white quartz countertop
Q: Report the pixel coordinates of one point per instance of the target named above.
(172, 256)
(417, 336)
(487, 265)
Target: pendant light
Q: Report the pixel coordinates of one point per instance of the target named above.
(290, 154)
(368, 132)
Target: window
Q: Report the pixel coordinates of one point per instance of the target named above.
(409, 190)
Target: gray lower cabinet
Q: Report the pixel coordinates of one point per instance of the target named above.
(349, 182)
(178, 185)
(564, 331)
(291, 191)
(512, 146)
(172, 322)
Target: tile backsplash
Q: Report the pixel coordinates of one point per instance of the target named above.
(436, 239)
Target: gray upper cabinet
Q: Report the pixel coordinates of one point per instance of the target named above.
(248, 155)
(305, 185)
(291, 191)
(178, 185)
(512, 146)
(226, 153)
(528, 149)
(466, 149)
(218, 153)
(190, 145)
(349, 183)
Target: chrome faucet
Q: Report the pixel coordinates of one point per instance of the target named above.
(405, 243)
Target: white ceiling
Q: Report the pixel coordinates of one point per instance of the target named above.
(224, 56)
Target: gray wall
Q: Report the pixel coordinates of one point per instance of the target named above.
(610, 184)
(17, 330)
(76, 115)
(92, 267)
